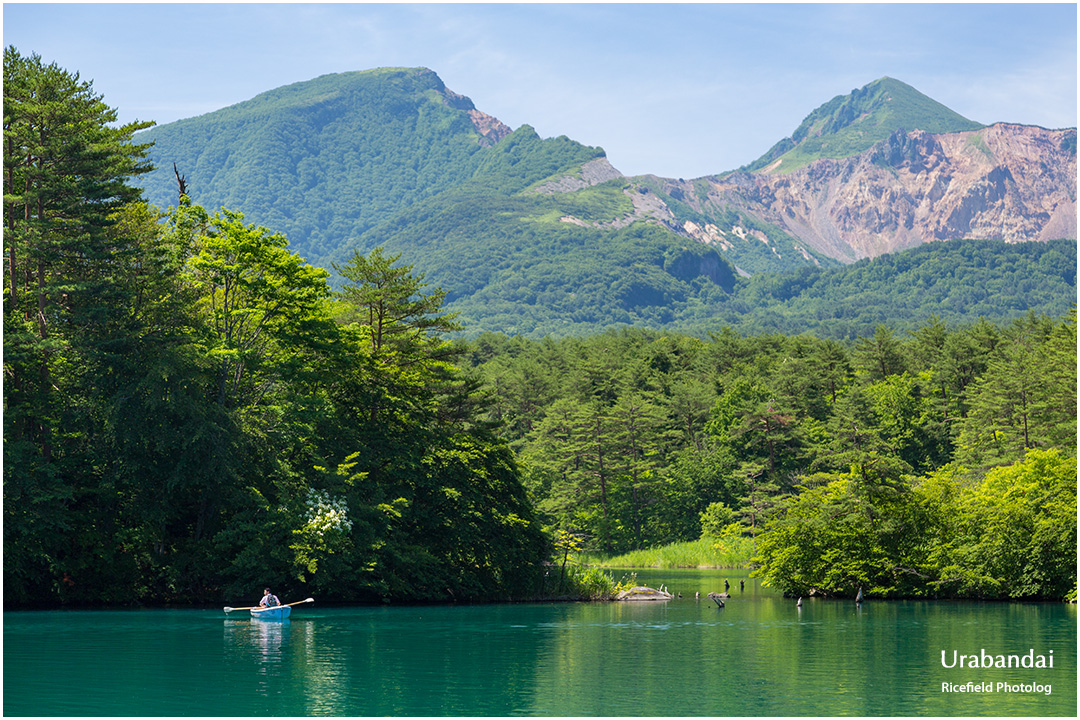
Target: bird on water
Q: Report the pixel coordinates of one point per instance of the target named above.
(859, 597)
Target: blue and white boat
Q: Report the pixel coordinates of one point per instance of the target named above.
(271, 613)
(278, 612)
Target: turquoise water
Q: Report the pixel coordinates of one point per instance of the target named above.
(760, 655)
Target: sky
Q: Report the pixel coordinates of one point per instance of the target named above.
(676, 90)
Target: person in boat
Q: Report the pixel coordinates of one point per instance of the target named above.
(269, 599)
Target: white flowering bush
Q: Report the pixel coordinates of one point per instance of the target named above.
(326, 528)
(325, 514)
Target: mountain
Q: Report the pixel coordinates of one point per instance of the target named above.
(326, 159)
(1011, 183)
(533, 244)
(879, 170)
(959, 282)
(542, 235)
(851, 124)
(535, 235)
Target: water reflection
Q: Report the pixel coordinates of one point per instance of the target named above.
(270, 637)
(760, 655)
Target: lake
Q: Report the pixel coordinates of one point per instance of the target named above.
(760, 655)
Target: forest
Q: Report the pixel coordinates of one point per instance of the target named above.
(937, 463)
(192, 412)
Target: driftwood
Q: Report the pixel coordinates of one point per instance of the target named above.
(643, 593)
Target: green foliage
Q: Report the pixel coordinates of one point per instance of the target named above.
(575, 578)
(842, 536)
(593, 583)
(716, 520)
(727, 551)
(1011, 534)
(67, 168)
(958, 282)
(177, 385)
(1026, 398)
(816, 449)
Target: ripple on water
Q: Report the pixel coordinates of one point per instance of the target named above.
(757, 656)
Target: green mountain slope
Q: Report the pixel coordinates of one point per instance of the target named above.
(960, 281)
(392, 158)
(522, 261)
(323, 160)
(850, 124)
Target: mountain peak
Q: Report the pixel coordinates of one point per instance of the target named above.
(851, 124)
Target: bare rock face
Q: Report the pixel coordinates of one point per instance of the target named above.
(594, 172)
(491, 128)
(1005, 182)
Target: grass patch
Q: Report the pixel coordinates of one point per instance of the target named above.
(979, 144)
(584, 582)
(727, 552)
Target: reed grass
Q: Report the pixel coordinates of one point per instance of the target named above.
(582, 581)
(726, 552)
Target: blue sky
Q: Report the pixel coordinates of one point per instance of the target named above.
(675, 90)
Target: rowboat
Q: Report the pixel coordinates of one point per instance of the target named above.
(271, 613)
(278, 612)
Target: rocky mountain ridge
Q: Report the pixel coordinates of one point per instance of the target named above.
(1005, 182)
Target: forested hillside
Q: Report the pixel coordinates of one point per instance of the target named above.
(539, 236)
(576, 293)
(324, 160)
(959, 281)
(530, 271)
(939, 462)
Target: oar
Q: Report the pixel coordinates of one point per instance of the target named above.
(300, 602)
(253, 607)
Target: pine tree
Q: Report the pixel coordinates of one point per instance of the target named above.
(66, 171)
